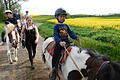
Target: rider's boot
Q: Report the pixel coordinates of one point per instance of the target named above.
(53, 74)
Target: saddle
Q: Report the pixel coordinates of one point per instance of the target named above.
(65, 54)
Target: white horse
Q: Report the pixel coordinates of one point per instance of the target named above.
(11, 41)
(74, 65)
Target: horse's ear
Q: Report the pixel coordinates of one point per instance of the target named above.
(91, 52)
(105, 58)
(7, 22)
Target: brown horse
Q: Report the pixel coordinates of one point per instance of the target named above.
(12, 41)
(100, 67)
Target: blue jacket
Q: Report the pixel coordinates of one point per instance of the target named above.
(17, 16)
(61, 32)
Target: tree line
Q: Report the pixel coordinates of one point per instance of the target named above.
(8, 4)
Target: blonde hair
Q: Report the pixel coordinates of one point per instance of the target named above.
(28, 17)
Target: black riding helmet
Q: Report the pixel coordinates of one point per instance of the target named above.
(60, 11)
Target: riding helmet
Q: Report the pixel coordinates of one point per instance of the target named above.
(8, 11)
(60, 11)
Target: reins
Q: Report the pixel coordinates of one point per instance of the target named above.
(74, 63)
(101, 66)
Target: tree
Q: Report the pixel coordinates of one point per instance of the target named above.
(9, 4)
(1, 10)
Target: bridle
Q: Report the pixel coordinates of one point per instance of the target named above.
(100, 68)
(104, 63)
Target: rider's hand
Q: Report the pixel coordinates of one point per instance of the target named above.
(62, 43)
(77, 39)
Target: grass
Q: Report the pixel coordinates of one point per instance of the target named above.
(1, 28)
(106, 41)
(42, 18)
(91, 39)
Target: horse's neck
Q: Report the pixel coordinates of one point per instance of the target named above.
(116, 65)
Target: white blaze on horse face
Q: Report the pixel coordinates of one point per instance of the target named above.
(13, 35)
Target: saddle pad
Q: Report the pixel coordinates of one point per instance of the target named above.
(51, 52)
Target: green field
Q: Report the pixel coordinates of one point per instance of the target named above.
(1, 28)
(106, 41)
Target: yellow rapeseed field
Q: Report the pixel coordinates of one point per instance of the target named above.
(93, 22)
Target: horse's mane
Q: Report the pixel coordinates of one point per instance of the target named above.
(95, 54)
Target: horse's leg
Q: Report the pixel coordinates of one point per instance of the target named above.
(7, 43)
(9, 54)
(18, 39)
(8, 48)
(16, 58)
(11, 61)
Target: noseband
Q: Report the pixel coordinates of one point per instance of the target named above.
(14, 43)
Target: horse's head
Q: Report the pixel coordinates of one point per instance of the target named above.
(88, 61)
(95, 63)
(13, 39)
(14, 43)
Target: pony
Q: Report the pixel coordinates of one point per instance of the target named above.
(83, 63)
(100, 67)
(72, 66)
(11, 41)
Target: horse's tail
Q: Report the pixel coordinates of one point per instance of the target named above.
(43, 58)
(46, 38)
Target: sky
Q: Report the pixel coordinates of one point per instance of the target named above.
(48, 7)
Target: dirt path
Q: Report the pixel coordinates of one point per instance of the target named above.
(21, 70)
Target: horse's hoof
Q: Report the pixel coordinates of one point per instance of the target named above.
(11, 62)
(32, 66)
(8, 53)
(16, 59)
(18, 47)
